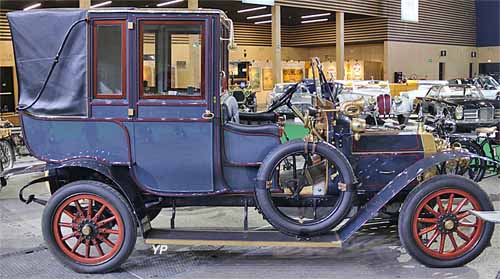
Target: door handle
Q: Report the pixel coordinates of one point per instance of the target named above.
(387, 172)
(208, 115)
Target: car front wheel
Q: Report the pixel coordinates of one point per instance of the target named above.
(435, 225)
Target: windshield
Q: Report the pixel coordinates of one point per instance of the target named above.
(489, 82)
(280, 88)
(456, 92)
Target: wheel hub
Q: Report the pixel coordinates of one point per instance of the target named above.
(447, 223)
(88, 229)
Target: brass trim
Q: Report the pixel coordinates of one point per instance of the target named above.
(189, 242)
(429, 144)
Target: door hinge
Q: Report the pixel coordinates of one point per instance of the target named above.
(215, 100)
(130, 25)
(131, 112)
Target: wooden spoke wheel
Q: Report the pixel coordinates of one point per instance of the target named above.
(435, 225)
(443, 227)
(89, 227)
(93, 234)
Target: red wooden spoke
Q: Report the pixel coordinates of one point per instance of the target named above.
(450, 203)
(109, 243)
(66, 225)
(442, 242)
(463, 235)
(107, 220)
(98, 247)
(427, 230)
(79, 208)
(440, 204)
(89, 209)
(453, 241)
(434, 212)
(108, 231)
(463, 215)
(470, 225)
(428, 220)
(101, 210)
(460, 205)
(87, 249)
(71, 215)
(66, 237)
(77, 244)
(433, 238)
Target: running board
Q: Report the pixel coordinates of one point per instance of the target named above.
(490, 216)
(238, 238)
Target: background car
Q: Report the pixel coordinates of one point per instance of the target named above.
(465, 103)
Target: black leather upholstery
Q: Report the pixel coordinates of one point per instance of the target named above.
(270, 129)
(269, 117)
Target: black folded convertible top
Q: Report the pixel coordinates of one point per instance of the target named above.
(37, 36)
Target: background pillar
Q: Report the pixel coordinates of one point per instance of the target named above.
(84, 3)
(339, 46)
(276, 33)
(192, 4)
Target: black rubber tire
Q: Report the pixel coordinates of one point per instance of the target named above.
(8, 155)
(417, 195)
(110, 195)
(283, 224)
(475, 148)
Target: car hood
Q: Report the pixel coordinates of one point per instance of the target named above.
(475, 104)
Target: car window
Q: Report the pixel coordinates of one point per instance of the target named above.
(172, 55)
(109, 59)
(433, 92)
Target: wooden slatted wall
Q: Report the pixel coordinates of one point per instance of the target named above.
(451, 22)
(363, 7)
(247, 34)
(4, 26)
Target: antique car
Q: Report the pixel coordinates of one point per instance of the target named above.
(116, 152)
(465, 103)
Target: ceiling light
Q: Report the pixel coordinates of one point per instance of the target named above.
(259, 16)
(316, 15)
(314, 20)
(101, 4)
(263, 22)
(252, 9)
(34, 6)
(168, 3)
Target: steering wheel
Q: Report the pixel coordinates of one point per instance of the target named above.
(285, 98)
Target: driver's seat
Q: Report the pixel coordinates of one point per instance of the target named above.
(246, 144)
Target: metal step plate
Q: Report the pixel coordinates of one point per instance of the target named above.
(238, 238)
(490, 216)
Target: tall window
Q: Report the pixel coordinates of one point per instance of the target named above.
(172, 57)
(109, 59)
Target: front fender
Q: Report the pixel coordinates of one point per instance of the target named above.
(395, 186)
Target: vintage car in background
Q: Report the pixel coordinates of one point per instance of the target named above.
(302, 98)
(465, 103)
(115, 153)
(488, 85)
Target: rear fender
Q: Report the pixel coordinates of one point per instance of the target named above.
(118, 175)
(370, 209)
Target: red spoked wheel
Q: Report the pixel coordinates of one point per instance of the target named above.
(435, 226)
(88, 229)
(442, 225)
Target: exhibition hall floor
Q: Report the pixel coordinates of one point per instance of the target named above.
(374, 252)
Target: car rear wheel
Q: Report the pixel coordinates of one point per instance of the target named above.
(89, 227)
(435, 225)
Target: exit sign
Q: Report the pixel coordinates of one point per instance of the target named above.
(259, 2)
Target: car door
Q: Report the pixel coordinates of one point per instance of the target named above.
(174, 125)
